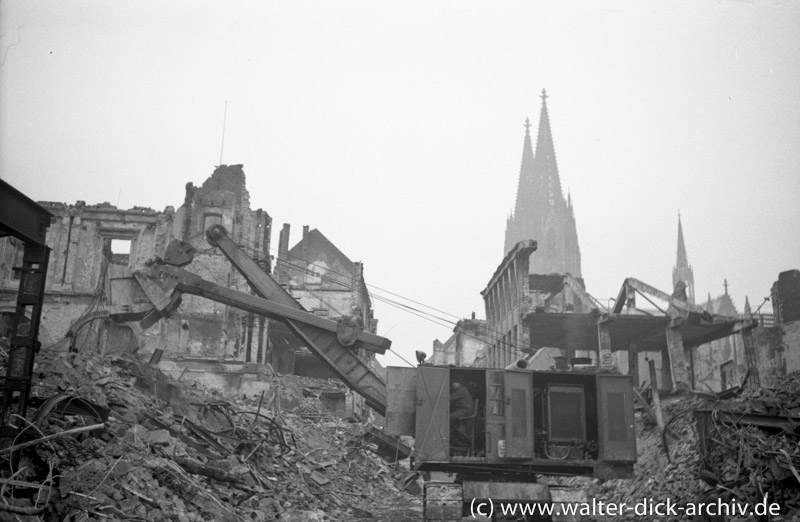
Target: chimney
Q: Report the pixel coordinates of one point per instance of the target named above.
(283, 253)
(305, 251)
(188, 200)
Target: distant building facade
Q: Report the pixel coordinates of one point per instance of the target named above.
(541, 213)
(326, 283)
(466, 347)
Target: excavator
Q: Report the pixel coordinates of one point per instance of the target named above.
(525, 423)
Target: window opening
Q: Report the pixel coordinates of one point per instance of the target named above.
(118, 251)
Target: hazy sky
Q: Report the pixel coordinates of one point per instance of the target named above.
(396, 128)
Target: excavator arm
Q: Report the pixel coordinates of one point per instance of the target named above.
(334, 343)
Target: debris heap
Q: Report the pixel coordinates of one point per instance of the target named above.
(738, 446)
(170, 451)
(752, 444)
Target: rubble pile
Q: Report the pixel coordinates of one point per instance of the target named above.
(656, 476)
(171, 451)
(754, 448)
(743, 461)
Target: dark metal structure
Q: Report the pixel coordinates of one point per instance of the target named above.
(24, 219)
(150, 293)
(528, 421)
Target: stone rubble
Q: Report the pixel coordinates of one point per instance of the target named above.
(747, 461)
(175, 452)
(170, 451)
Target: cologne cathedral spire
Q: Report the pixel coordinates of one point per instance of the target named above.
(541, 212)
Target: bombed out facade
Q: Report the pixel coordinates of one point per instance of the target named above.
(204, 340)
(88, 241)
(722, 364)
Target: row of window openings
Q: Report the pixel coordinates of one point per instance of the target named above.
(505, 351)
(497, 305)
(118, 251)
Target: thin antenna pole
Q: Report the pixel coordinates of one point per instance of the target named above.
(224, 120)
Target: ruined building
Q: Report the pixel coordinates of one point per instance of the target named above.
(721, 364)
(541, 212)
(91, 243)
(203, 340)
(513, 294)
(507, 302)
(466, 347)
(207, 328)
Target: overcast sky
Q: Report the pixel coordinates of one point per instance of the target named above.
(396, 128)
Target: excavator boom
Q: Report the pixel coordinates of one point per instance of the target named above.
(336, 344)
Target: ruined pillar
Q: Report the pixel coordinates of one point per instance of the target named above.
(605, 360)
(188, 210)
(753, 379)
(666, 372)
(633, 363)
(261, 357)
(283, 253)
(74, 247)
(678, 366)
(689, 353)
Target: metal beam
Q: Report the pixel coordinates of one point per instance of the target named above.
(262, 283)
(785, 422)
(22, 217)
(164, 283)
(187, 282)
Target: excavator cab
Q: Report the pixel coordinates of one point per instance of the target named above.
(524, 421)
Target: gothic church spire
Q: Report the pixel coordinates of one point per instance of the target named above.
(525, 184)
(541, 212)
(546, 156)
(682, 271)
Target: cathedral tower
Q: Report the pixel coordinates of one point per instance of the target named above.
(541, 212)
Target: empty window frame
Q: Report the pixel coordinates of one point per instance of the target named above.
(117, 250)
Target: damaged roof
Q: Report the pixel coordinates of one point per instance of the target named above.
(321, 248)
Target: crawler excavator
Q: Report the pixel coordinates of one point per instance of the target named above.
(525, 422)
